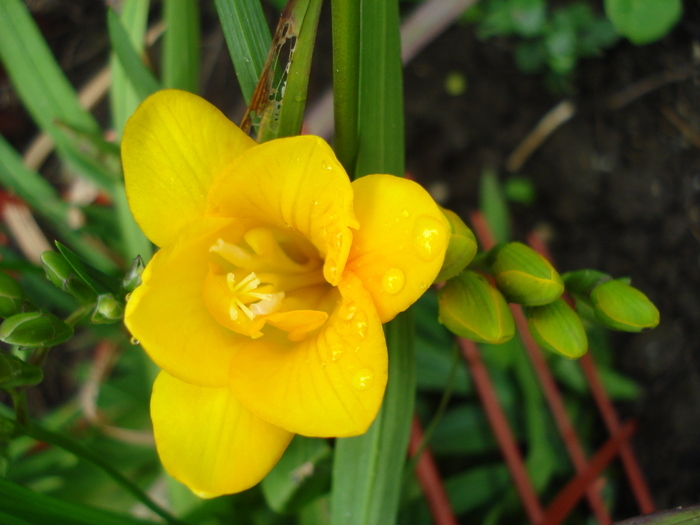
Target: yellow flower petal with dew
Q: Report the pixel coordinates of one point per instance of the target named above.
(400, 245)
(330, 383)
(168, 316)
(293, 183)
(209, 441)
(174, 146)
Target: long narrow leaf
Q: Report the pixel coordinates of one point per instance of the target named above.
(181, 45)
(141, 77)
(123, 97)
(279, 100)
(248, 40)
(24, 506)
(367, 469)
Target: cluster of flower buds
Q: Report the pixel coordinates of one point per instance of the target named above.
(474, 299)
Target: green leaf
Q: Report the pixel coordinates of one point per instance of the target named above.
(366, 484)
(300, 476)
(463, 430)
(142, 79)
(11, 296)
(248, 40)
(284, 82)
(494, 206)
(528, 16)
(14, 372)
(687, 516)
(643, 21)
(39, 509)
(100, 282)
(123, 97)
(181, 46)
(476, 487)
(34, 329)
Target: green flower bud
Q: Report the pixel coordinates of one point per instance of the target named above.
(14, 372)
(470, 307)
(62, 275)
(581, 282)
(461, 249)
(34, 329)
(619, 306)
(11, 296)
(558, 328)
(524, 276)
(108, 310)
(133, 277)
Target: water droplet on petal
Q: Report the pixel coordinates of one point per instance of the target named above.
(361, 325)
(326, 166)
(134, 341)
(127, 297)
(336, 353)
(393, 281)
(427, 240)
(362, 379)
(348, 312)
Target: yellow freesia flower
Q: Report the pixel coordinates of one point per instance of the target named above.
(264, 305)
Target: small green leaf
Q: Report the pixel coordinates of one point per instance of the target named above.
(619, 306)
(64, 277)
(524, 276)
(94, 278)
(11, 296)
(34, 329)
(470, 307)
(15, 373)
(643, 21)
(557, 328)
(300, 476)
(461, 249)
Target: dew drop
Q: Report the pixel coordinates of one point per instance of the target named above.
(348, 312)
(393, 281)
(134, 341)
(361, 325)
(362, 379)
(326, 166)
(336, 353)
(127, 297)
(427, 240)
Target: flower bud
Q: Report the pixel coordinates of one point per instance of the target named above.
(108, 310)
(14, 372)
(11, 296)
(619, 306)
(558, 328)
(470, 307)
(460, 250)
(133, 277)
(524, 276)
(62, 275)
(34, 329)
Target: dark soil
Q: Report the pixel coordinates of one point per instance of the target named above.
(617, 189)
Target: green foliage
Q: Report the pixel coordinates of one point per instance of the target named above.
(643, 21)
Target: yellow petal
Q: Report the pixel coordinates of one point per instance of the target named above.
(174, 146)
(400, 245)
(167, 314)
(292, 183)
(329, 384)
(209, 441)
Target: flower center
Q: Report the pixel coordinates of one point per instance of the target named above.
(267, 277)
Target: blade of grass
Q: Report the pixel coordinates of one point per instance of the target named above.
(367, 468)
(45, 435)
(181, 45)
(142, 79)
(380, 109)
(346, 79)
(279, 100)
(43, 198)
(248, 40)
(123, 97)
(25, 506)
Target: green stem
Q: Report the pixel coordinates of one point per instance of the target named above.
(19, 400)
(58, 440)
(78, 315)
(346, 79)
